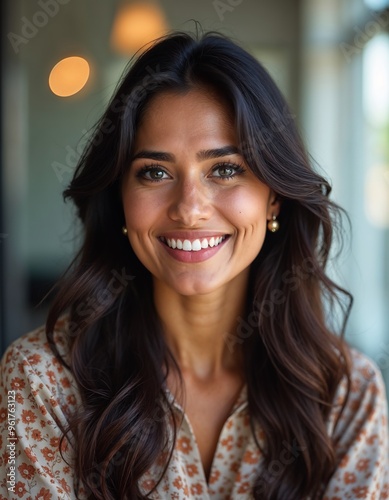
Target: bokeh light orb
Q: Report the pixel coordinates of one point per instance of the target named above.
(69, 76)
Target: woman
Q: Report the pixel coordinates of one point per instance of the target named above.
(189, 350)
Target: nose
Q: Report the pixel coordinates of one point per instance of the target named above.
(191, 202)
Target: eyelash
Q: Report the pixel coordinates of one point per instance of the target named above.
(149, 168)
(238, 170)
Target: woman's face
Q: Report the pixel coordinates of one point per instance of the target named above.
(195, 213)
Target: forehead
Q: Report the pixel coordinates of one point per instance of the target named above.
(198, 114)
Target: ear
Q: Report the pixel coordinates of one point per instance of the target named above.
(273, 205)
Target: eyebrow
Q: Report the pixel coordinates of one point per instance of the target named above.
(202, 155)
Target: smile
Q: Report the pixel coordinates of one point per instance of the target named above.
(194, 245)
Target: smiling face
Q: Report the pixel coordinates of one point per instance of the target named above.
(195, 213)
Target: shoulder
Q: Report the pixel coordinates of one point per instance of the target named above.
(33, 349)
(365, 378)
(30, 368)
(36, 339)
(363, 367)
(359, 432)
(363, 399)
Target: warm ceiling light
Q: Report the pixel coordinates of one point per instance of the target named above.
(69, 76)
(136, 25)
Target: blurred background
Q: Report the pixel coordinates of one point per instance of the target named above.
(61, 60)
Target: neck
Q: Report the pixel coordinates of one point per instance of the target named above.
(200, 330)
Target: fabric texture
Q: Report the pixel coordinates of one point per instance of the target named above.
(45, 394)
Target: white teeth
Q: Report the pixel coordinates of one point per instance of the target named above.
(187, 245)
(195, 245)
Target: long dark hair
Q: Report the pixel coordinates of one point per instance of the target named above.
(294, 360)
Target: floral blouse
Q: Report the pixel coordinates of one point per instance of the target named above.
(37, 393)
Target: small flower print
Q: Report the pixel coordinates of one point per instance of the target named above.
(214, 476)
(244, 487)
(349, 477)
(51, 376)
(28, 417)
(178, 483)
(36, 435)
(183, 445)
(48, 454)
(227, 442)
(26, 471)
(3, 415)
(250, 458)
(20, 489)
(34, 359)
(192, 470)
(44, 494)
(65, 382)
(196, 489)
(363, 464)
(360, 492)
(30, 454)
(54, 442)
(18, 383)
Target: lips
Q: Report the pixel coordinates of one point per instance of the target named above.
(193, 245)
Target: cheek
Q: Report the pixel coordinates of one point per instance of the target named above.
(138, 221)
(247, 207)
(139, 210)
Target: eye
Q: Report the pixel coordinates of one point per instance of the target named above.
(152, 173)
(227, 170)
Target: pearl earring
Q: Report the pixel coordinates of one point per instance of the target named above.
(124, 230)
(273, 225)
